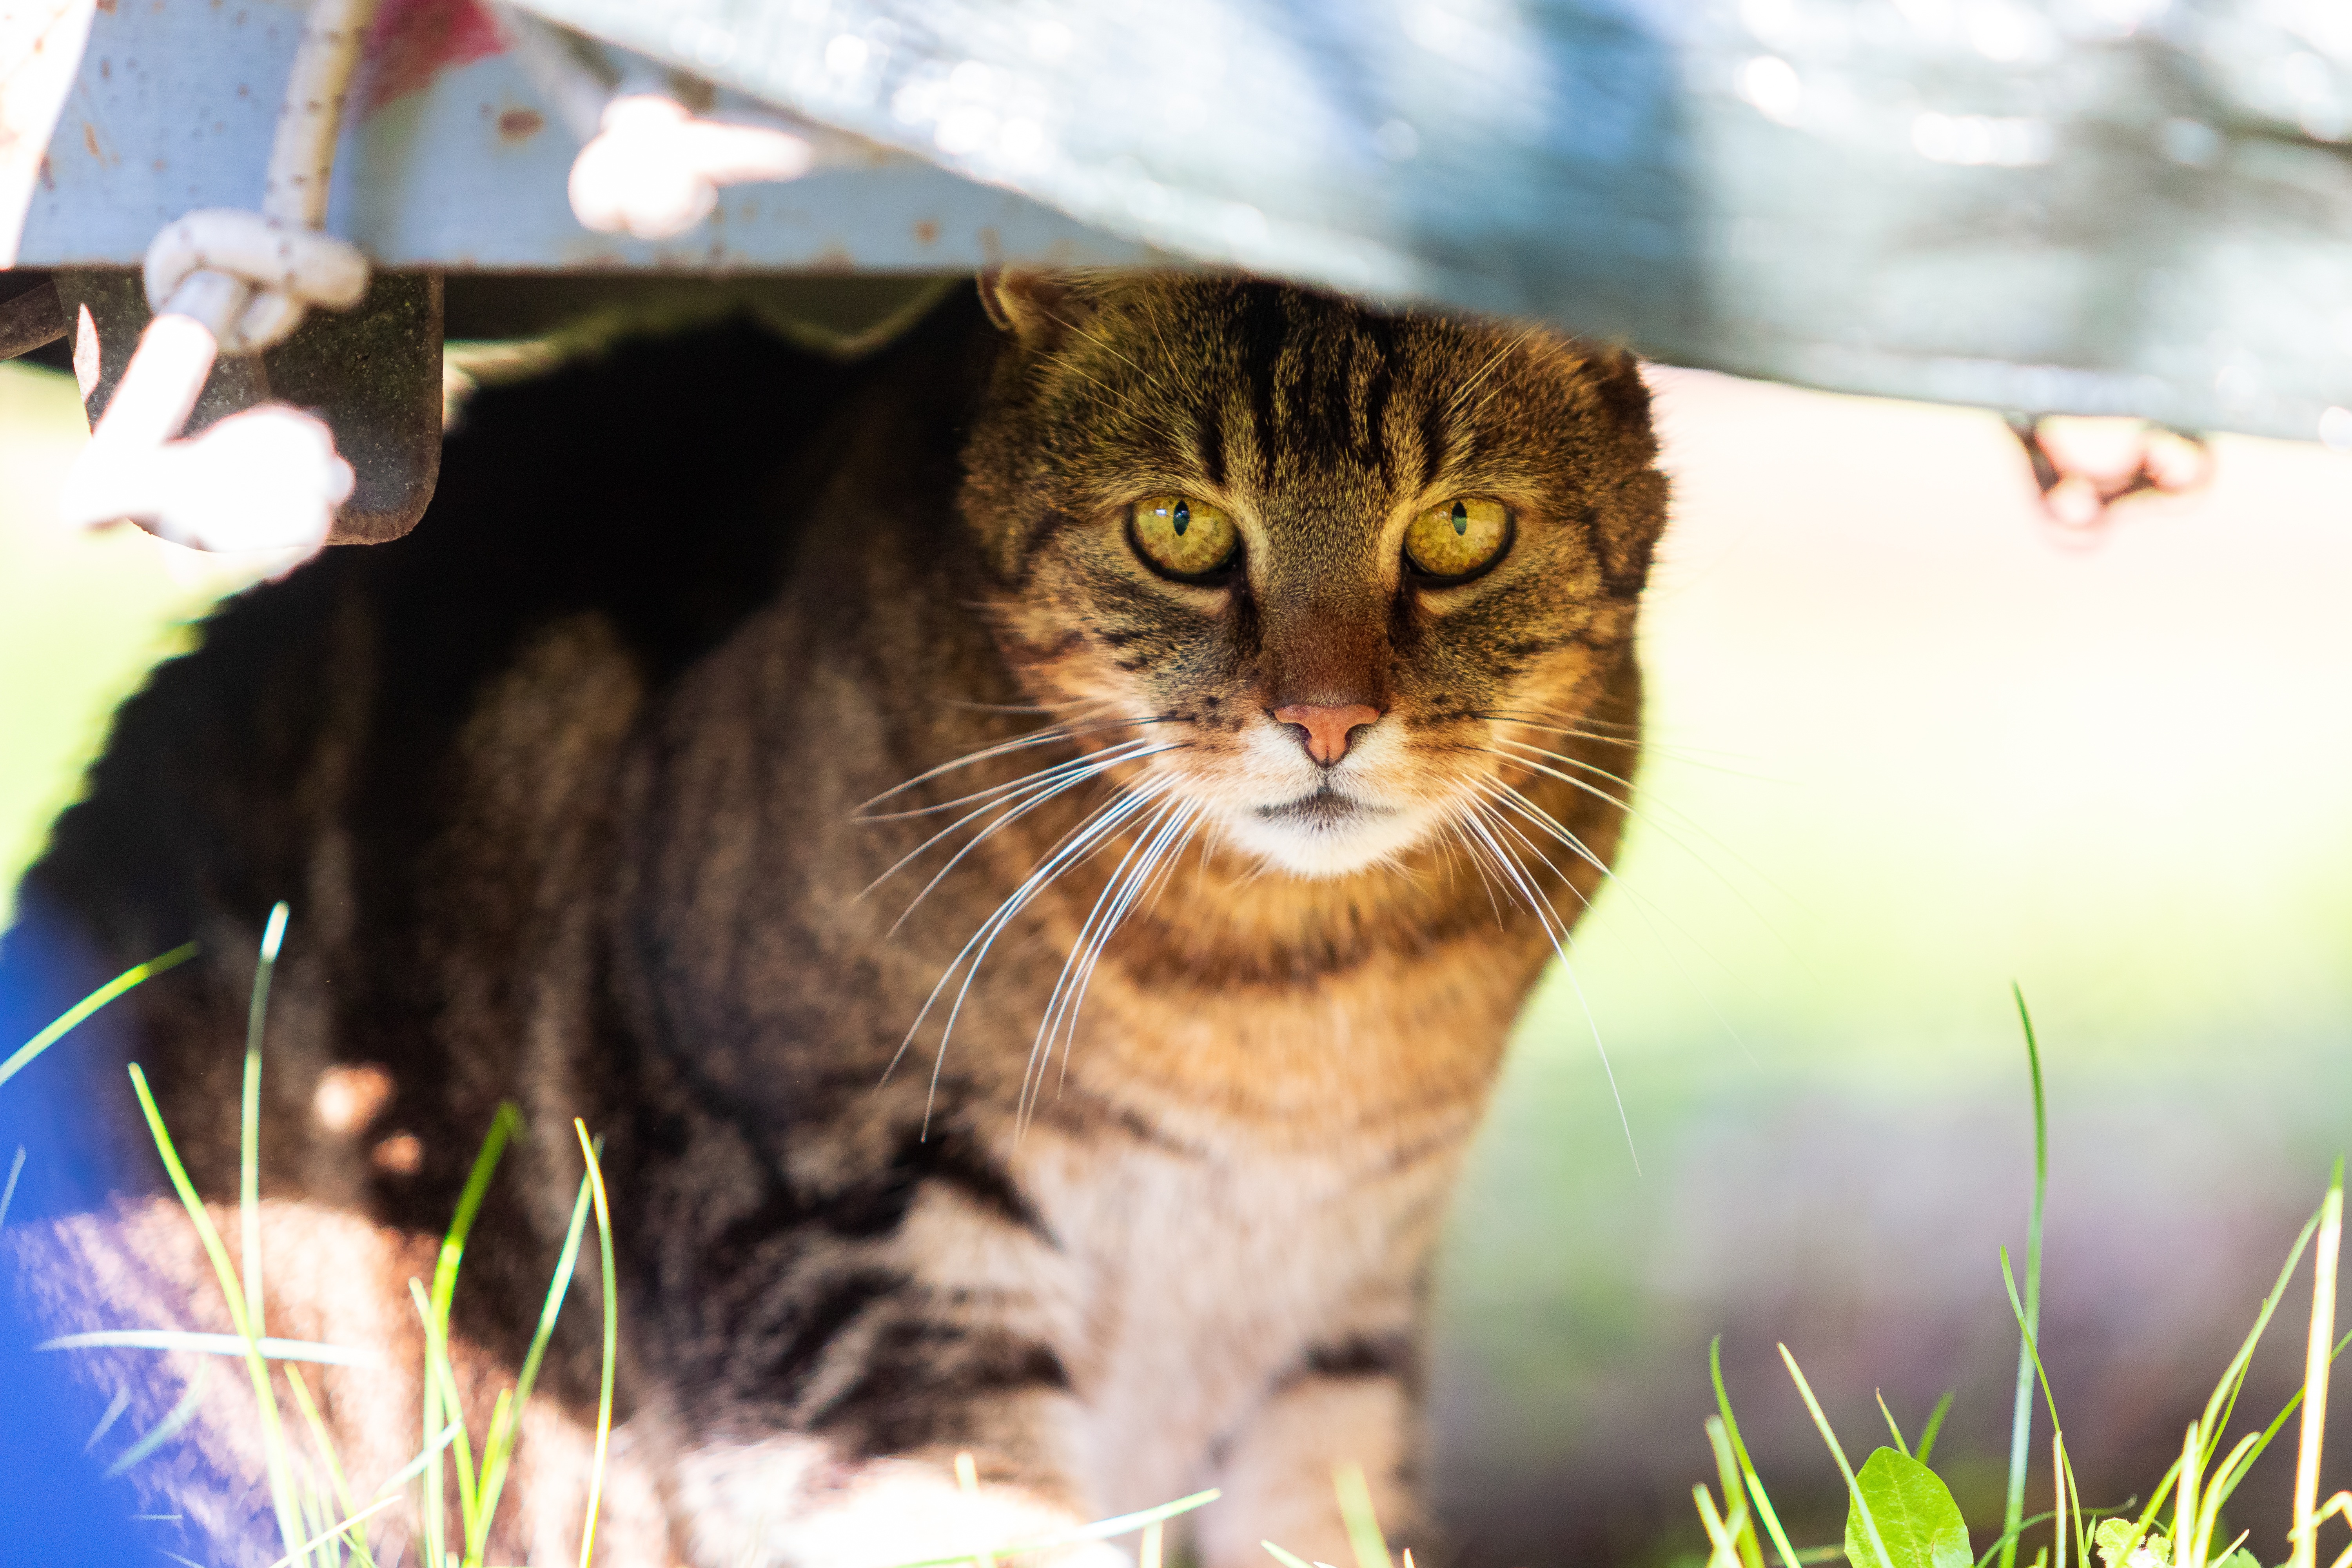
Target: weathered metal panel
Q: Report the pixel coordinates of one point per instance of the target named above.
(2098, 205)
(2103, 206)
(451, 161)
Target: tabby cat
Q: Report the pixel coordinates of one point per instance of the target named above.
(1026, 846)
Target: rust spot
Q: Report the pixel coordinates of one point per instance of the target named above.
(106, 7)
(515, 124)
(90, 137)
(105, 69)
(927, 232)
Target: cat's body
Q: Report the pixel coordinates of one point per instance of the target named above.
(582, 798)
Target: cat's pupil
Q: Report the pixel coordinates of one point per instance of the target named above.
(1184, 518)
(1461, 519)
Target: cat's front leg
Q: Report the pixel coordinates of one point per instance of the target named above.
(882, 1379)
(1355, 1407)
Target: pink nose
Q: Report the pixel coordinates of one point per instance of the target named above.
(1328, 728)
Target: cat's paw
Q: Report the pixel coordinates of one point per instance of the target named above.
(787, 1502)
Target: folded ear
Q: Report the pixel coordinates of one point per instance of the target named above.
(1617, 376)
(1039, 309)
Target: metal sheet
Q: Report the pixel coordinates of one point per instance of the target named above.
(2097, 205)
(2100, 205)
(451, 162)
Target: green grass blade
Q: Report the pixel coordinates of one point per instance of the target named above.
(498, 1447)
(1900, 1446)
(273, 1436)
(2278, 1421)
(208, 1344)
(1363, 1525)
(8, 1194)
(1747, 1466)
(248, 1124)
(1928, 1434)
(326, 1445)
(443, 1379)
(612, 1341)
(1741, 1523)
(114, 1409)
(436, 1310)
(2021, 1425)
(2317, 1365)
(1723, 1545)
(166, 1429)
(425, 1455)
(2032, 1350)
(1288, 1558)
(477, 1520)
(2223, 1402)
(137, 974)
(1853, 1487)
(332, 1531)
(503, 1127)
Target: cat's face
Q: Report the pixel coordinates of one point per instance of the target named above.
(1332, 574)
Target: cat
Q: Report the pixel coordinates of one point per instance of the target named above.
(1026, 846)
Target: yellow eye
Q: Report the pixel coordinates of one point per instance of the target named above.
(1459, 537)
(1184, 537)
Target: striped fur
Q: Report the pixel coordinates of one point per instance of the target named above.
(692, 768)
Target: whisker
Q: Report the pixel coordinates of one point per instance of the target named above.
(1645, 907)
(1454, 836)
(1504, 794)
(1050, 735)
(1688, 756)
(1462, 394)
(1010, 816)
(1098, 824)
(1091, 761)
(1544, 912)
(1119, 894)
(1051, 780)
(1677, 839)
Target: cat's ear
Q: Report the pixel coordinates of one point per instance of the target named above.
(1617, 376)
(1040, 310)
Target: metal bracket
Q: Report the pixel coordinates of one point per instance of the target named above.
(372, 373)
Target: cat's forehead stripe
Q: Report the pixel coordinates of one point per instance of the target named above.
(1308, 385)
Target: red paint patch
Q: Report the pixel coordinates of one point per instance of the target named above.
(413, 41)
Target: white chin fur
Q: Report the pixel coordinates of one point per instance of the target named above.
(1319, 851)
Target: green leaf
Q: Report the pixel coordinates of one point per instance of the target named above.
(2116, 1537)
(1916, 1517)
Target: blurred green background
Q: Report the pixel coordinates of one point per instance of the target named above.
(1907, 749)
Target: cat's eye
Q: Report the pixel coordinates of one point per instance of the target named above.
(1463, 536)
(1184, 537)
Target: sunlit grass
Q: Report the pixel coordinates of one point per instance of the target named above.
(1901, 1513)
(319, 1516)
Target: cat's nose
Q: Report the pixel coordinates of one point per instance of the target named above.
(1328, 728)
